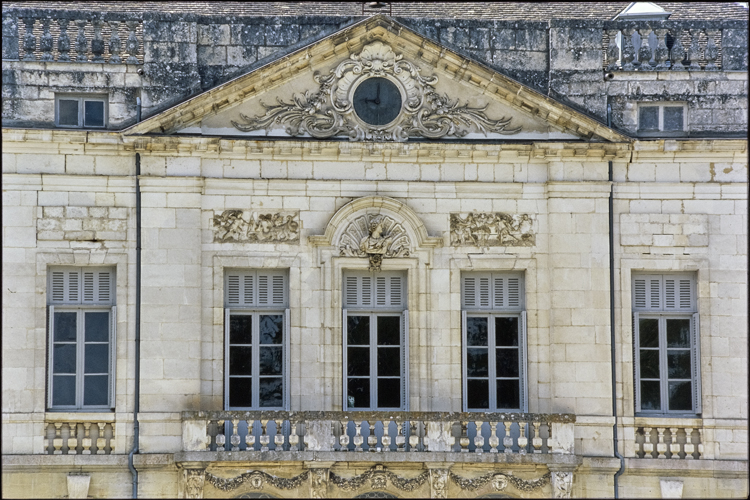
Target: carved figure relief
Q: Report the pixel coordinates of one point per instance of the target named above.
(319, 483)
(492, 229)
(562, 483)
(256, 227)
(331, 111)
(439, 483)
(194, 479)
(375, 236)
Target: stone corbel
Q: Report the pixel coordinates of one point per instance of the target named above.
(78, 485)
(193, 481)
(319, 472)
(671, 488)
(438, 480)
(562, 481)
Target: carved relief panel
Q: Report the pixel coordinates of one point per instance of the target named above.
(256, 227)
(493, 229)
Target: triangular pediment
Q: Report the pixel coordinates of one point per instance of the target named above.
(376, 81)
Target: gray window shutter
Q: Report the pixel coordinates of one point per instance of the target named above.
(345, 384)
(469, 292)
(396, 291)
(404, 360)
(65, 286)
(227, 313)
(50, 351)
(655, 300)
(256, 288)
(287, 379)
(97, 287)
(636, 364)
(484, 291)
(247, 289)
(263, 290)
(463, 360)
(639, 293)
(112, 356)
(514, 293)
(233, 293)
(696, 354)
(524, 365)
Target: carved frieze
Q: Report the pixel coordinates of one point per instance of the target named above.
(499, 482)
(378, 477)
(329, 110)
(257, 479)
(492, 229)
(375, 236)
(256, 227)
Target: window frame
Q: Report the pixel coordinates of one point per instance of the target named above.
(660, 132)
(82, 99)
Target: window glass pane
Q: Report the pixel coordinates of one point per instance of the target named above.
(65, 326)
(506, 362)
(271, 329)
(506, 331)
(648, 118)
(358, 361)
(389, 393)
(476, 362)
(240, 329)
(68, 112)
(240, 391)
(96, 358)
(673, 118)
(358, 393)
(678, 332)
(358, 330)
(63, 390)
(649, 363)
(508, 395)
(648, 329)
(389, 362)
(680, 397)
(95, 390)
(476, 331)
(389, 330)
(97, 326)
(650, 395)
(94, 113)
(240, 360)
(478, 394)
(678, 362)
(64, 356)
(270, 392)
(271, 362)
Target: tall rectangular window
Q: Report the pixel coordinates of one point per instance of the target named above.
(666, 345)
(376, 345)
(81, 346)
(256, 355)
(494, 342)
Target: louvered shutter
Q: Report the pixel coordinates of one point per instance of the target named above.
(514, 299)
(524, 365)
(477, 291)
(678, 293)
(696, 355)
(345, 381)
(256, 289)
(648, 293)
(97, 287)
(383, 291)
(464, 368)
(287, 378)
(636, 364)
(404, 361)
(469, 293)
(65, 286)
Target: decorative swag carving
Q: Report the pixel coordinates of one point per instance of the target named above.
(496, 229)
(329, 111)
(256, 227)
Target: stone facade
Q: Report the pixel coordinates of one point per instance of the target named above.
(194, 198)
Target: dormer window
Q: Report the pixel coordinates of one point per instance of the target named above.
(661, 119)
(80, 111)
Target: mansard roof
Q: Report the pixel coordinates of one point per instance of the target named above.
(446, 96)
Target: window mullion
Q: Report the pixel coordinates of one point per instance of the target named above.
(80, 362)
(663, 364)
(255, 337)
(491, 368)
(373, 361)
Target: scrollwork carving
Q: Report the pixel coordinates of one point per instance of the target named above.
(256, 480)
(256, 227)
(329, 111)
(375, 236)
(485, 229)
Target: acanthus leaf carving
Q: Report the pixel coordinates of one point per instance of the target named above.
(375, 236)
(256, 227)
(329, 111)
(488, 229)
(194, 480)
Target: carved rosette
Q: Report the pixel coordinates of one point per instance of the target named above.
(375, 236)
(256, 227)
(492, 229)
(329, 111)
(194, 480)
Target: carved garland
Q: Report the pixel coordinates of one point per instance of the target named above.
(255, 227)
(329, 111)
(499, 482)
(256, 480)
(485, 229)
(377, 477)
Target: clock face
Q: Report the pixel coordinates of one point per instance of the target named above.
(377, 101)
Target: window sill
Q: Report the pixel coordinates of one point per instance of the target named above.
(79, 416)
(667, 421)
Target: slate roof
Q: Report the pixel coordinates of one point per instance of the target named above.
(505, 11)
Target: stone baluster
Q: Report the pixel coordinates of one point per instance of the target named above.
(278, 439)
(250, 437)
(344, 438)
(613, 50)
(358, 439)
(508, 440)
(112, 440)
(661, 54)
(235, 438)
(700, 443)
(628, 50)
(264, 437)
(413, 436)
(57, 441)
(523, 441)
(689, 446)
(493, 440)
(677, 54)
(537, 441)
(694, 54)
(220, 438)
(101, 440)
(81, 42)
(712, 52)
(86, 441)
(464, 439)
(479, 439)
(29, 41)
(97, 44)
(72, 438)
(45, 42)
(293, 436)
(386, 439)
(372, 439)
(674, 446)
(648, 446)
(661, 446)
(400, 436)
(63, 41)
(46, 439)
(115, 45)
(644, 52)
(132, 43)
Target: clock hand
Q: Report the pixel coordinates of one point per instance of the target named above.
(377, 96)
